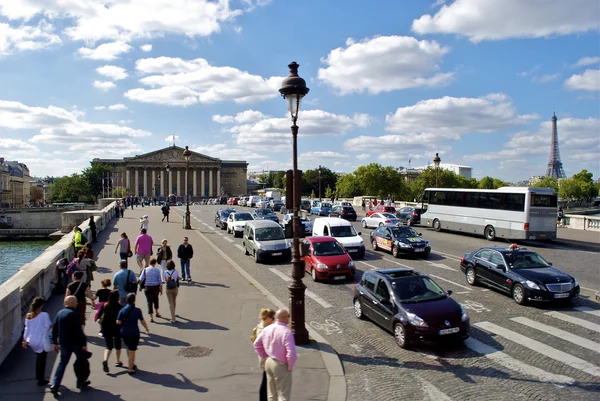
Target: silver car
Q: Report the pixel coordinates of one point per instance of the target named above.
(379, 219)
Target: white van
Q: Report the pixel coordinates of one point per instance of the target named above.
(252, 201)
(343, 231)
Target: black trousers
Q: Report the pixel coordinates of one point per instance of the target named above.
(40, 366)
(262, 395)
(152, 297)
(94, 236)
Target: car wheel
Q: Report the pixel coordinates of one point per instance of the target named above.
(358, 310)
(437, 226)
(518, 294)
(395, 251)
(256, 260)
(470, 276)
(400, 335)
(363, 224)
(380, 224)
(313, 274)
(374, 243)
(245, 250)
(490, 233)
(408, 222)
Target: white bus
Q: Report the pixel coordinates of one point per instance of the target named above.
(508, 212)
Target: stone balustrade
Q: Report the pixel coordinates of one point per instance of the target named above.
(37, 279)
(582, 222)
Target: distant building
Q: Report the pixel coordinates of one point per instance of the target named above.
(555, 166)
(14, 184)
(4, 184)
(464, 171)
(535, 179)
(409, 174)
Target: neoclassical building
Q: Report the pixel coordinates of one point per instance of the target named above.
(147, 175)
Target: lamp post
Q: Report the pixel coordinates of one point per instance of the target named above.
(320, 182)
(293, 89)
(168, 168)
(436, 163)
(186, 156)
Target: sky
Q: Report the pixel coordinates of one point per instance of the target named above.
(391, 82)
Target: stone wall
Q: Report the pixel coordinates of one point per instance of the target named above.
(582, 222)
(37, 279)
(28, 218)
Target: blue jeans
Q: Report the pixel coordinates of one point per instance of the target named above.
(65, 356)
(185, 268)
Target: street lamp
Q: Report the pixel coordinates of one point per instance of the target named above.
(436, 163)
(168, 168)
(293, 89)
(320, 182)
(186, 156)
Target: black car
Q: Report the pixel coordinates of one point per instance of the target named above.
(517, 271)
(221, 217)
(410, 215)
(400, 240)
(410, 305)
(343, 212)
(265, 214)
(276, 205)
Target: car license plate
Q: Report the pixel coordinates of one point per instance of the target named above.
(339, 277)
(352, 250)
(277, 253)
(419, 249)
(449, 331)
(563, 295)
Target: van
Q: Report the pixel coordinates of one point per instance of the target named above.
(252, 201)
(343, 231)
(265, 240)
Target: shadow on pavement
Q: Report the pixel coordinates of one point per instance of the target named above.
(156, 340)
(198, 325)
(90, 394)
(169, 380)
(202, 285)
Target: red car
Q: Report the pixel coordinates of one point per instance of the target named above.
(328, 260)
(381, 209)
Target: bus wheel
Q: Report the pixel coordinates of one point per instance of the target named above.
(437, 226)
(490, 233)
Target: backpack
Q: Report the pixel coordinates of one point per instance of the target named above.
(171, 284)
(84, 239)
(72, 267)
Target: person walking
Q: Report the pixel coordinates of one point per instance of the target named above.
(128, 318)
(124, 247)
(165, 211)
(163, 255)
(185, 252)
(68, 338)
(151, 283)
(110, 330)
(171, 277)
(275, 345)
(36, 336)
(143, 249)
(92, 225)
(266, 316)
(144, 222)
(124, 281)
(362, 205)
(102, 297)
(560, 214)
(79, 289)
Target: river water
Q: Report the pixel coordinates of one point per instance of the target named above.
(14, 254)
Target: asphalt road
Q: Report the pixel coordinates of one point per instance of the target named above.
(540, 352)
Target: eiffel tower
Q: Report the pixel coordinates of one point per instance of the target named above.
(555, 167)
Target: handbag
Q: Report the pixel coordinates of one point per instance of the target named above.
(129, 253)
(143, 282)
(130, 286)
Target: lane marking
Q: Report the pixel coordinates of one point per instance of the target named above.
(543, 349)
(449, 255)
(575, 320)
(430, 391)
(464, 292)
(585, 309)
(282, 275)
(440, 265)
(515, 365)
(228, 239)
(485, 290)
(238, 246)
(308, 292)
(368, 264)
(556, 332)
(588, 289)
(450, 281)
(212, 228)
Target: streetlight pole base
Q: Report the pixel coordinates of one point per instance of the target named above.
(296, 290)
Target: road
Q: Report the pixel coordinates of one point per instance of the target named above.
(542, 352)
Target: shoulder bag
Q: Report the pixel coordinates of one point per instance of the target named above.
(130, 286)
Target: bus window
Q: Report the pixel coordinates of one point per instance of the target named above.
(544, 200)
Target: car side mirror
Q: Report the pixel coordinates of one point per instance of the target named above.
(449, 292)
(550, 263)
(419, 234)
(359, 233)
(305, 248)
(501, 266)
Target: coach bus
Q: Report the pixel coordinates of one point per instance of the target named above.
(508, 212)
(172, 200)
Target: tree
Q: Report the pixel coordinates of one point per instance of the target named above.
(347, 186)
(547, 182)
(310, 180)
(569, 190)
(69, 189)
(586, 182)
(490, 183)
(92, 177)
(380, 181)
(328, 192)
(446, 179)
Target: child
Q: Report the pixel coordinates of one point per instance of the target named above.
(102, 295)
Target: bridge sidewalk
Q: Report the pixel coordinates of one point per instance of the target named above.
(206, 355)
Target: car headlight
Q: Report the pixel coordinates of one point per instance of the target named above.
(463, 314)
(575, 283)
(404, 245)
(416, 320)
(532, 285)
(288, 244)
(351, 264)
(261, 247)
(427, 243)
(361, 243)
(322, 266)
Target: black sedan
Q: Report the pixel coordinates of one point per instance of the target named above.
(400, 240)
(522, 273)
(221, 217)
(265, 214)
(411, 305)
(410, 215)
(343, 212)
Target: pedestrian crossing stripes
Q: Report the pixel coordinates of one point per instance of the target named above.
(585, 309)
(544, 349)
(565, 335)
(575, 320)
(238, 246)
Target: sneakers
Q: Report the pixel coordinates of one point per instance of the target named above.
(189, 279)
(54, 391)
(105, 366)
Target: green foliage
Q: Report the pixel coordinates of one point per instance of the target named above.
(569, 190)
(328, 192)
(93, 179)
(313, 195)
(490, 183)
(380, 181)
(310, 180)
(585, 179)
(547, 182)
(348, 186)
(69, 189)
(446, 179)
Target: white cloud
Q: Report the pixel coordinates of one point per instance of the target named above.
(228, 152)
(172, 138)
(588, 81)
(323, 157)
(245, 117)
(186, 82)
(363, 156)
(106, 51)
(104, 85)
(95, 20)
(545, 78)
(486, 20)
(384, 64)
(582, 62)
(117, 107)
(99, 107)
(146, 48)
(125, 122)
(15, 145)
(113, 72)
(15, 39)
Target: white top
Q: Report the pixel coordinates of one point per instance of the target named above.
(36, 330)
(174, 274)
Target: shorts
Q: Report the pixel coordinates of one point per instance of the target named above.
(143, 258)
(131, 342)
(112, 341)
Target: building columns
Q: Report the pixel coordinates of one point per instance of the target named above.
(128, 184)
(170, 188)
(153, 183)
(195, 185)
(137, 183)
(178, 182)
(202, 183)
(219, 182)
(145, 182)
(210, 183)
(163, 178)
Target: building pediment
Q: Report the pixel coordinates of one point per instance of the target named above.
(170, 154)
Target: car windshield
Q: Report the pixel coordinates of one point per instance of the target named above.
(417, 289)
(269, 234)
(226, 214)
(242, 216)
(388, 215)
(404, 232)
(329, 248)
(264, 212)
(343, 231)
(325, 204)
(348, 208)
(525, 260)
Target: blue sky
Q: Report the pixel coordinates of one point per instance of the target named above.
(390, 81)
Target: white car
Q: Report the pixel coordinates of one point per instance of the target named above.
(262, 204)
(379, 219)
(236, 222)
(287, 219)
